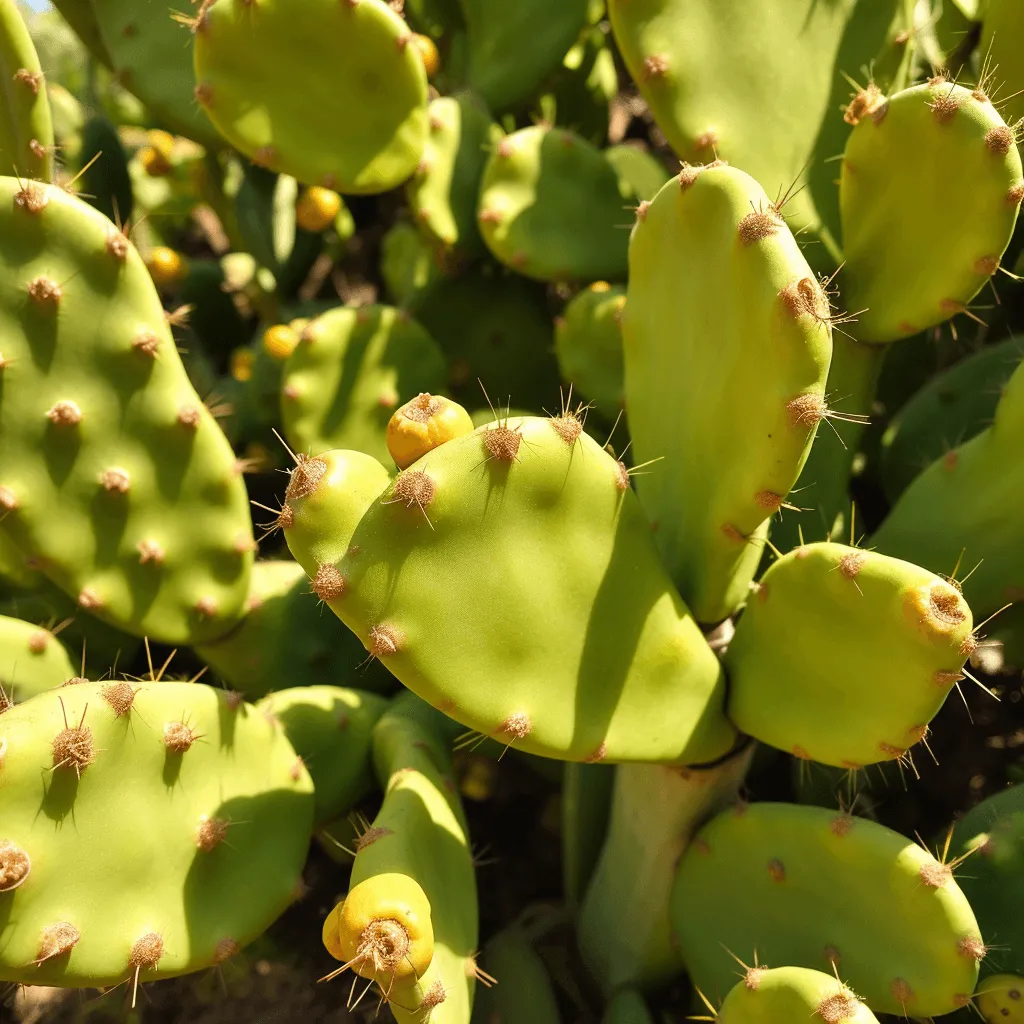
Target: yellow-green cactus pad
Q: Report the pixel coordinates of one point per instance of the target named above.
(32, 659)
(26, 127)
(330, 729)
(962, 511)
(350, 371)
(810, 887)
(509, 578)
(1001, 31)
(929, 191)
(1000, 999)
(588, 343)
(727, 344)
(274, 77)
(159, 826)
(108, 457)
(552, 207)
(844, 656)
(789, 994)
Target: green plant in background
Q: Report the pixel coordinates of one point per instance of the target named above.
(250, 237)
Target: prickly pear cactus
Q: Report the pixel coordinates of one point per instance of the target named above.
(814, 888)
(32, 660)
(270, 81)
(110, 457)
(722, 312)
(766, 996)
(549, 651)
(825, 695)
(170, 830)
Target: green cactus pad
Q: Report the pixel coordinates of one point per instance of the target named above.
(271, 78)
(552, 207)
(81, 16)
(443, 192)
(644, 173)
(109, 458)
(825, 694)
(421, 832)
(962, 511)
(588, 342)
(929, 191)
(32, 660)
(951, 408)
(993, 835)
(788, 994)
(151, 56)
(518, 554)
(166, 826)
(26, 128)
(408, 264)
(351, 370)
(512, 47)
(286, 637)
(780, 120)
(808, 887)
(727, 344)
(330, 729)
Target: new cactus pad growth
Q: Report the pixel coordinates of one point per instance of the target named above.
(785, 994)
(565, 504)
(722, 313)
(170, 831)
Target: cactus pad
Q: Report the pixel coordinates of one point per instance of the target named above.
(108, 456)
(166, 825)
(552, 207)
(32, 659)
(271, 80)
(825, 694)
(929, 191)
(786, 994)
(519, 554)
(808, 887)
(727, 344)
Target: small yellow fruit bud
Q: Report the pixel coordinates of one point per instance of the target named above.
(428, 51)
(279, 341)
(383, 929)
(162, 142)
(154, 163)
(316, 209)
(421, 425)
(166, 267)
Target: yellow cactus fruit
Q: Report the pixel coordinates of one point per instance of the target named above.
(1001, 998)
(166, 267)
(428, 51)
(382, 929)
(241, 364)
(421, 425)
(161, 141)
(316, 209)
(154, 163)
(279, 341)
